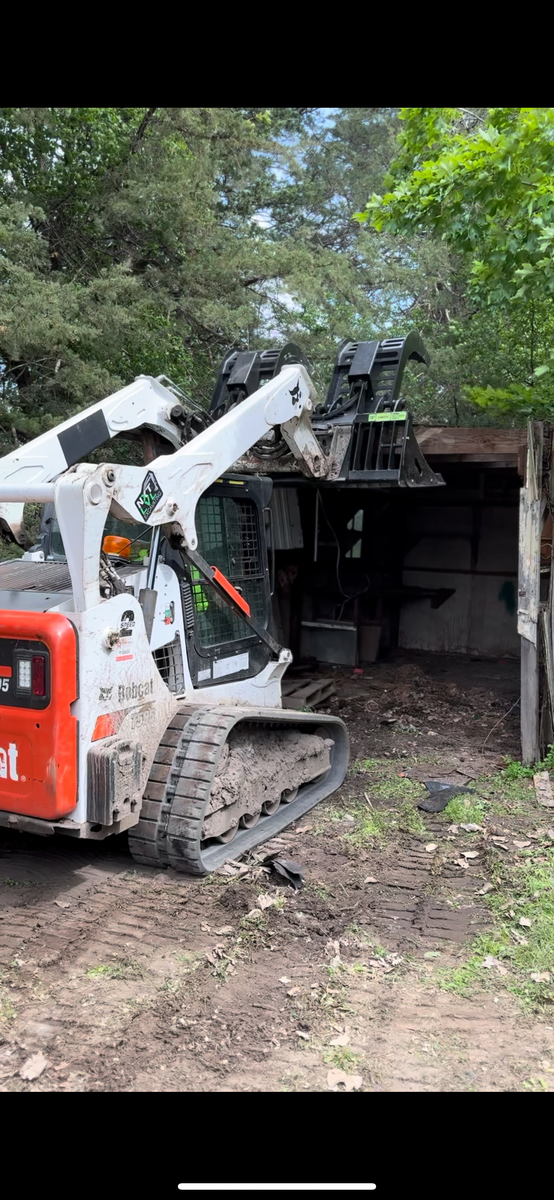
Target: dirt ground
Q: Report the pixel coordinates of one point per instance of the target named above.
(374, 977)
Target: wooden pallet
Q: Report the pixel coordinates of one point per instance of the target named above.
(297, 693)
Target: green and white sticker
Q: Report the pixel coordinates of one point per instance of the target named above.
(386, 416)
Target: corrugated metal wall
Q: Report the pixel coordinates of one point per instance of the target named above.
(285, 515)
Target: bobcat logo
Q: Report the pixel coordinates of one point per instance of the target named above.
(295, 394)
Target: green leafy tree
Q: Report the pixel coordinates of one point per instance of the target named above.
(485, 187)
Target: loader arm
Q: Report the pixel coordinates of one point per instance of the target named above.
(146, 404)
(167, 491)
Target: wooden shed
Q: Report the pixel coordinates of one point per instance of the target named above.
(456, 569)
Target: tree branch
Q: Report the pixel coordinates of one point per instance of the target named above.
(142, 129)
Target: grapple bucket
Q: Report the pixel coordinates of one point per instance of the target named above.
(383, 450)
(363, 427)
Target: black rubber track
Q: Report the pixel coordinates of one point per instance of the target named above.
(181, 778)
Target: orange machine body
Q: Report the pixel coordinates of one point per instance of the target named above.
(38, 734)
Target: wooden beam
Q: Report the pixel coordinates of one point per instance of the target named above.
(445, 441)
(530, 522)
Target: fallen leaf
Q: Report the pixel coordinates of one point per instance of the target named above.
(370, 879)
(340, 1041)
(300, 1033)
(432, 954)
(430, 847)
(452, 829)
(284, 979)
(295, 991)
(253, 914)
(61, 1066)
(525, 921)
(491, 961)
(205, 927)
(62, 903)
(540, 977)
(210, 957)
(224, 929)
(376, 962)
(488, 887)
(470, 827)
(264, 902)
(522, 845)
(336, 961)
(470, 853)
(394, 959)
(461, 862)
(351, 1082)
(34, 1066)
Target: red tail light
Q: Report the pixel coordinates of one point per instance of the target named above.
(39, 675)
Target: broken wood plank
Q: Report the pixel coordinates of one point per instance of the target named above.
(311, 688)
(294, 700)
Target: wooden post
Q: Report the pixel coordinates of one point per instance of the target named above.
(530, 520)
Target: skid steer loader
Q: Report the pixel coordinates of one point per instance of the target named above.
(140, 684)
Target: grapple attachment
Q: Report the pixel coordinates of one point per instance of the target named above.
(363, 427)
(364, 396)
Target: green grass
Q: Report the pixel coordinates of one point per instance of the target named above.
(515, 770)
(372, 826)
(375, 824)
(124, 969)
(7, 1010)
(342, 1057)
(410, 819)
(395, 788)
(170, 985)
(526, 890)
(471, 975)
(363, 765)
(465, 808)
(16, 882)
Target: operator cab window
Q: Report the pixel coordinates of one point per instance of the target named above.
(228, 538)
